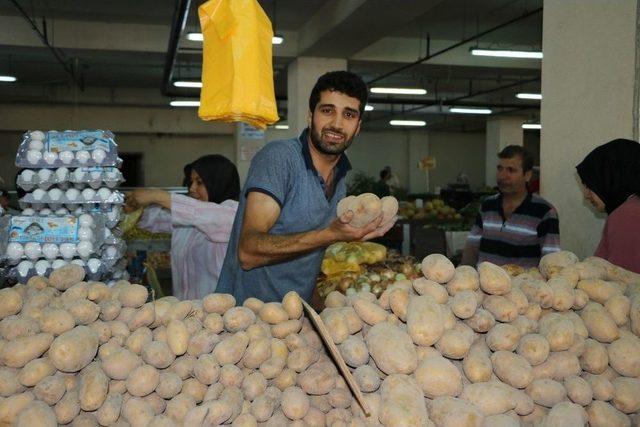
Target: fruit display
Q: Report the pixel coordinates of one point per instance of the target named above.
(556, 346)
(435, 209)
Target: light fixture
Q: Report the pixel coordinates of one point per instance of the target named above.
(461, 110)
(368, 107)
(407, 123)
(196, 37)
(184, 83)
(507, 53)
(282, 127)
(185, 103)
(529, 95)
(531, 126)
(399, 90)
(8, 79)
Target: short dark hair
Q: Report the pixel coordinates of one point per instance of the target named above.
(340, 81)
(511, 151)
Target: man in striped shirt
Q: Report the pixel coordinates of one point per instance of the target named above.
(513, 226)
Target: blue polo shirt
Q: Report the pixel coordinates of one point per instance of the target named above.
(284, 171)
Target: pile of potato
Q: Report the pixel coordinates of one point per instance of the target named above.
(457, 347)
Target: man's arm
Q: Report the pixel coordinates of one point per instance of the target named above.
(258, 248)
(549, 233)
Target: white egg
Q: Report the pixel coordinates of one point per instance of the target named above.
(62, 174)
(32, 250)
(68, 250)
(15, 251)
(50, 157)
(94, 265)
(78, 211)
(36, 135)
(96, 175)
(27, 175)
(62, 212)
(36, 144)
(107, 233)
(111, 252)
(85, 249)
(66, 157)
(44, 212)
(45, 174)
(55, 194)
(34, 156)
(78, 262)
(50, 250)
(85, 234)
(86, 220)
(99, 155)
(104, 193)
(79, 174)
(88, 194)
(42, 267)
(38, 194)
(28, 212)
(58, 264)
(83, 157)
(72, 194)
(24, 267)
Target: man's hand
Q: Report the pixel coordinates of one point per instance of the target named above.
(344, 232)
(142, 198)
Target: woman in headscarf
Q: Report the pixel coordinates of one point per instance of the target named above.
(611, 177)
(200, 224)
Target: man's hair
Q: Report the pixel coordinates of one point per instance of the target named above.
(511, 151)
(340, 81)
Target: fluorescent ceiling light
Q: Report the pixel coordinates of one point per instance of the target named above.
(368, 107)
(185, 103)
(181, 83)
(407, 123)
(196, 37)
(399, 90)
(529, 95)
(531, 126)
(507, 53)
(469, 110)
(282, 127)
(9, 79)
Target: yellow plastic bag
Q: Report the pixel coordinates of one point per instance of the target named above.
(237, 73)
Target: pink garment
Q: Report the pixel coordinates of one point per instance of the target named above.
(620, 243)
(199, 236)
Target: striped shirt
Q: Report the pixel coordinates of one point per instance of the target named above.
(531, 232)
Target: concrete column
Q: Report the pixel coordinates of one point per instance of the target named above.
(590, 96)
(501, 131)
(302, 74)
(248, 141)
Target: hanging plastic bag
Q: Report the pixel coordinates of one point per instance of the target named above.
(237, 73)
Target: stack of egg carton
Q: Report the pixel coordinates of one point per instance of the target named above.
(71, 208)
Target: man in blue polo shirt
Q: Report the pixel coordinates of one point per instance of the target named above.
(287, 212)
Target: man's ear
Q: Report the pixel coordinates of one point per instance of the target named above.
(527, 175)
(309, 118)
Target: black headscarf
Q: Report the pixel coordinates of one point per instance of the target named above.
(612, 171)
(219, 176)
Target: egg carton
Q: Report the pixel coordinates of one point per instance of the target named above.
(67, 148)
(112, 254)
(112, 215)
(101, 200)
(63, 178)
(51, 237)
(94, 268)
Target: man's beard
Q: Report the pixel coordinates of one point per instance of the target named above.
(327, 147)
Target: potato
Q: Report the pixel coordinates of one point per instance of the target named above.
(13, 405)
(559, 365)
(292, 304)
(623, 356)
(450, 411)
(68, 407)
(178, 311)
(594, 358)
(74, 349)
(202, 342)
(369, 312)
(143, 380)
(566, 414)
(559, 334)
(65, 277)
(336, 323)
(354, 351)
(602, 414)
(318, 379)
(578, 390)
(455, 342)
(50, 389)
(601, 386)
(503, 337)
(546, 392)
(365, 207)
(273, 313)
(263, 406)
(335, 299)
(402, 402)
(158, 355)
(511, 368)
(295, 403)
(501, 308)
(391, 348)
(37, 414)
(119, 364)
(238, 319)
(169, 385)
(109, 309)
(554, 262)
(34, 371)
(144, 316)
(399, 303)
(253, 386)
(137, 412)
(192, 387)
(93, 388)
(437, 377)
(183, 366)
(301, 358)
(20, 351)
(177, 337)
(435, 290)
(231, 349)
(425, 323)
(534, 348)
(465, 278)
(9, 384)
(133, 296)
(109, 412)
(139, 339)
(438, 268)
(618, 307)
(600, 325)
(231, 376)
(490, 397)
(599, 290)
(283, 329)
(493, 279)
(581, 299)
(464, 304)
(482, 321)
(626, 394)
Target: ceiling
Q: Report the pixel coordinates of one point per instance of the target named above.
(115, 52)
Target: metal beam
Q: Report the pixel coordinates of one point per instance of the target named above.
(177, 26)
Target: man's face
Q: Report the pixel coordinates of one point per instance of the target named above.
(510, 176)
(4, 202)
(334, 122)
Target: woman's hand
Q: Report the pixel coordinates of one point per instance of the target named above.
(144, 197)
